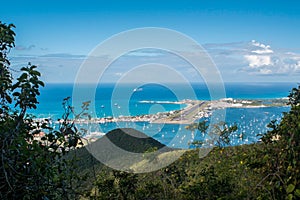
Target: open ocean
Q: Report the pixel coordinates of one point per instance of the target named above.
(250, 121)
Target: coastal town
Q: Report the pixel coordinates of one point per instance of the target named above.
(195, 109)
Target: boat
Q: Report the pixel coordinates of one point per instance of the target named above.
(138, 89)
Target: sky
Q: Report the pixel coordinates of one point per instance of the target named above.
(249, 41)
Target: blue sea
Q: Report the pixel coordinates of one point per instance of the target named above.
(153, 98)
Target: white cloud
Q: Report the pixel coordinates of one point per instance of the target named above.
(238, 61)
(261, 48)
(24, 48)
(253, 60)
(265, 71)
(262, 51)
(256, 61)
(146, 53)
(118, 74)
(259, 56)
(263, 60)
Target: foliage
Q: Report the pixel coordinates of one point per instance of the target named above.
(202, 126)
(220, 132)
(7, 42)
(116, 185)
(33, 165)
(282, 151)
(223, 132)
(266, 170)
(150, 154)
(209, 186)
(220, 175)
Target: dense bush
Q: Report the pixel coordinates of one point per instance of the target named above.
(43, 167)
(32, 159)
(265, 170)
(282, 153)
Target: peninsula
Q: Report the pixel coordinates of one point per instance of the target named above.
(195, 109)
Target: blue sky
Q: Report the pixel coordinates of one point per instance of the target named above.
(248, 40)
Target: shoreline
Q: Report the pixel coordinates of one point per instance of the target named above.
(195, 109)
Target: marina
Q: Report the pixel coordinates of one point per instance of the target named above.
(194, 110)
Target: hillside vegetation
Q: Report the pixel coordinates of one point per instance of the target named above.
(265, 170)
(55, 167)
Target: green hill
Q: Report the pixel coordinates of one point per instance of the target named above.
(132, 140)
(122, 147)
(110, 150)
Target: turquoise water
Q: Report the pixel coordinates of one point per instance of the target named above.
(251, 121)
(53, 94)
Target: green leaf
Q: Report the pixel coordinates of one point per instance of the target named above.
(24, 69)
(16, 94)
(22, 77)
(33, 67)
(297, 192)
(290, 188)
(290, 197)
(8, 99)
(41, 83)
(35, 73)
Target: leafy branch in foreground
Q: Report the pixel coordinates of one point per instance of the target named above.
(219, 133)
(32, 158)
(282, 153)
